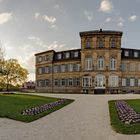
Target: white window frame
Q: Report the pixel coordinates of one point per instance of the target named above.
(88, 63)
(135, 54)
(70, 67)
(113, 43)
(63, 68)
(126, 53)
(113, 63)
(67, 54)
(100, 63)
(101, 43)
(46, 69)
(100, 81)
(132, 67)
(40, 70)
(76, 54)
(87, 81)
(132, 82)
(113, 81)
(59, 56)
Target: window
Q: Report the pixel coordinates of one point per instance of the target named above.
(124, 67)
(126, 53)
(112, 64)
(77, 81)
(41, 83)
(113, 81)
(67, 55)
(40, 70)
(77, 67)
(70, 67)
(113, 43)
(123, 82)
(88, 63)
(47, 82)
(101, 43)
(100, 81)
(46, 58)
(39, 58)
(100, 63)
(87, 43)
(56, 82)
(46, 69)
(132, 82)
(59, 55)
(135, 54)
(87, 81)
(76, 54)
(63, 68)
(55, 69)
(70, 82)
(63, 82)
(132, 67)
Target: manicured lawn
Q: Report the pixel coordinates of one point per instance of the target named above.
(11, 106)
(118, 125)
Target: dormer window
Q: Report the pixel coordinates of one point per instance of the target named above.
(76, 54)
(126, 53)
(59, 55)
(67, 55)
(135, 54)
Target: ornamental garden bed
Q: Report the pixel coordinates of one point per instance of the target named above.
(28, 108)
(125, 116)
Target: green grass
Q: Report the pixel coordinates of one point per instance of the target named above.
(118, 125)
(11, 106)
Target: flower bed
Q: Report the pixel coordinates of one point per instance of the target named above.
(42, 108)
(126, 113)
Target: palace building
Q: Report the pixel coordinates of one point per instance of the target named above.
(100, 66)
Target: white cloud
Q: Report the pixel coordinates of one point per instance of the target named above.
(36, 16)
(108, 19)
(89, 15)
(120, 22)
(51, 19)
(106, 6)
(5, 17)
(132, 18)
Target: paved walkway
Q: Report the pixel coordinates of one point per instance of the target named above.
(85, 119)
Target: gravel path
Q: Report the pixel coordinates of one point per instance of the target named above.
(85, 119)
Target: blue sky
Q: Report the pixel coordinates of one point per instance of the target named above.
(31, 26)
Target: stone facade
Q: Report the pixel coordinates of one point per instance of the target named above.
(100, 66)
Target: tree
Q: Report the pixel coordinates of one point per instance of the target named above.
(13, 73)
(2, 52)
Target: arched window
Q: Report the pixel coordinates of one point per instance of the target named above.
(112, 43)
(100, 63)
(113, 63)
(88, 63)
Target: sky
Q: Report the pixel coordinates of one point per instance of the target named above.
(32, 26)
